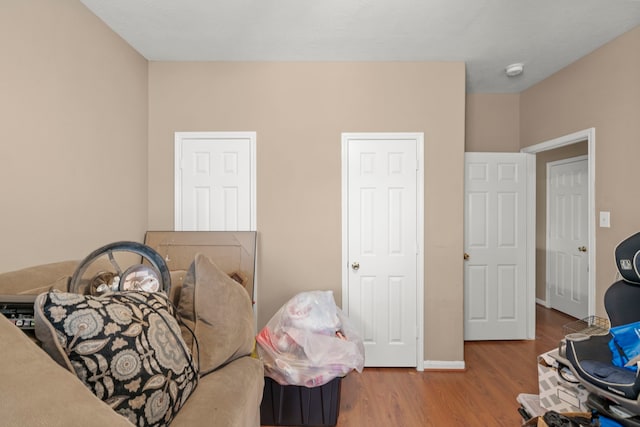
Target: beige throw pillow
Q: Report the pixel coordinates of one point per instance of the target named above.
(218, 311)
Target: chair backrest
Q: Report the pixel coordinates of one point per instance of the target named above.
(622, 303)
(627, 255)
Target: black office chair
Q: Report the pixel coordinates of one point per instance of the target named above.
(591, 358)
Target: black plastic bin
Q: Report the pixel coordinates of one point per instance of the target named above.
(290, 405)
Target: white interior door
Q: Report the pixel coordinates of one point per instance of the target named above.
(215, 181)
(382, 244)
(567, 236)
(497, 300)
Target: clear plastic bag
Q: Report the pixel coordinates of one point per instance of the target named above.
(309, 342)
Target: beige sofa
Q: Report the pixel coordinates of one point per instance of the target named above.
(36, 390)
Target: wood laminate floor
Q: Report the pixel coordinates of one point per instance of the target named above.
(483, 395)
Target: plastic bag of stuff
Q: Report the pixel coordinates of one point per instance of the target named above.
(309, 342)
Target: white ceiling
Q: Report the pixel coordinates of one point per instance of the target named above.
(488, 35)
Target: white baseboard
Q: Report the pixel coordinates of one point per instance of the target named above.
(542, 302)
(444, 365)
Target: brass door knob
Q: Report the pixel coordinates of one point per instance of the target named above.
(466, 256)
(582, 249)
(355, 266)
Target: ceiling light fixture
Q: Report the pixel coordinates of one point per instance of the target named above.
(514, 69)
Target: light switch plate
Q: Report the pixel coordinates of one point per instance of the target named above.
(605, 219)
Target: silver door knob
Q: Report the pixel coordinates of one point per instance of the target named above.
(355, 265)
(582, 249)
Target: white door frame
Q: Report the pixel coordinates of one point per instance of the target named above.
(419, 137)
(180, 137)
(590, 136)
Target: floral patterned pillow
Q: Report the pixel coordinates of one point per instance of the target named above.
(125, 347)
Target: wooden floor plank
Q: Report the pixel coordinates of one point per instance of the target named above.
(483, 395)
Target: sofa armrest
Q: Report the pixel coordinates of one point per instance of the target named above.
(36, 391)
(37, 279)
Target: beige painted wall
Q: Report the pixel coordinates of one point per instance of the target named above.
(601, 90)
(493, 122)
(542, 159)
(74, 132)
(299, 111)
(74, 156)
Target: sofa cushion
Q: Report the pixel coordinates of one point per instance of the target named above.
(228, 397)
(126, 347)
(218, 311)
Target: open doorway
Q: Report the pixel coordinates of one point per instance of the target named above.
(576, 144)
